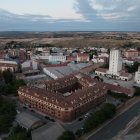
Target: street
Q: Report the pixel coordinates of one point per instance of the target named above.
(118, 124)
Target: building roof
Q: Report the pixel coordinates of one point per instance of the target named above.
(7, 65)
(101, 70)
(132, 51)
(83, 55)
(52, 94)
(120, 89)
(50, 131)
(26, 120)
(124, 74)
(4, 63)
(61, 71)
(58, 65)
(31, 71)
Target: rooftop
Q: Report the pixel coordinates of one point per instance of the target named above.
(26, 120)
(50, 131)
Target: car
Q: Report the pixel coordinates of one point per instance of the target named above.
(46, 117)
(86, 115)
(24, 107)
(80, 119)
(32, 110)
(52, 120)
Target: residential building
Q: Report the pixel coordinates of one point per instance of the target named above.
(137, 76)
(50, 58)
(8, 65)
(115, 63)
(66, 98)
(82, 57)
(132, 53)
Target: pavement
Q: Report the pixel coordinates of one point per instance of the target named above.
(115, 126)
(127, 84)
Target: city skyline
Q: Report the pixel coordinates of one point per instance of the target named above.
(72, 15)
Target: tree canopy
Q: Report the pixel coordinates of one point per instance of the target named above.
(11, 83)
(7, 114)
(67, 135)
(98, 117)
(19, 134)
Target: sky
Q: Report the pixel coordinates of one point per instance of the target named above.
(69, 15)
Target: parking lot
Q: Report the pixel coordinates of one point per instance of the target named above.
(127, 84)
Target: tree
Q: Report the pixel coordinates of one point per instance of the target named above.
(121, 96)
(19, 134)
(133, 68)
(79, 132)
(138, 48)
(11, 83)
(137, 91)
(7, 115)
(106, 65)
(67, 135)
(98, 117)
(8, 76)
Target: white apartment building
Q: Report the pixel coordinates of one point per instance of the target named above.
(29, 64)
(60, 58)
(137, 76)
(115, 63)
(8, 65)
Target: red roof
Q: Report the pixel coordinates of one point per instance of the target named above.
(102, 70)
(120, 89)
(58, 65)
(132, 51)
(7, 65)
(125, 74)
(83, 55)
(130, 59)
(71, 56)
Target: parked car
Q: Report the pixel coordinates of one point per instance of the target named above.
(32, 110)
(46, 117)
(24, 107)
(52, 120)
(80, 119)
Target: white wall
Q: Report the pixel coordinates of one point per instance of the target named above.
(115, 63)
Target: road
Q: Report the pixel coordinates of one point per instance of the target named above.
(118, 124)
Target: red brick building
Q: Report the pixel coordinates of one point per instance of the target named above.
(66, 98)
(83, 57)
(71, 58)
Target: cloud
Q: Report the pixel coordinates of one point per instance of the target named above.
(117, 10)
(5, 15)
(84, 8)
(95, 15)
(16, 22)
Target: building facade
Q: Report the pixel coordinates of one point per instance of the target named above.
(131, 53)
(82, 57)
(137, 76)
(66, 98)
(8, 65)
(115, 63)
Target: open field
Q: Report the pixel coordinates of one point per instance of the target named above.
(75, 39)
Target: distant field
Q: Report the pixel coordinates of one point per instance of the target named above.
(76, 39)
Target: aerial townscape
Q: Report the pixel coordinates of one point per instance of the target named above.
(70, 70)
(69, 90)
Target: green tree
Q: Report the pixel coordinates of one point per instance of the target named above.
(19, 134)
(133, 68)
(137, 91)
(67, 135)
(121, 96)
(7, 115)
(98, 117)
(8, 76)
